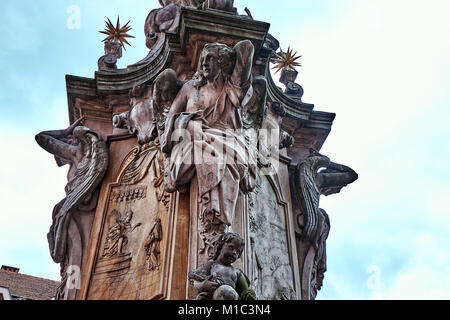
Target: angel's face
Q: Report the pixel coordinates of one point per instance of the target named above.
(210, 65)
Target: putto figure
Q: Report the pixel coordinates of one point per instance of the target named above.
(218, 279)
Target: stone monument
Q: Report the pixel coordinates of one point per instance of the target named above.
(192, 175)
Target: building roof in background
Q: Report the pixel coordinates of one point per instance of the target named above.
(27, 287)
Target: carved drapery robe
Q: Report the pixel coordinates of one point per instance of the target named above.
(217, 152)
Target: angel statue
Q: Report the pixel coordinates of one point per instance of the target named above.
(214, 113)
(315, 176)
(88, 156)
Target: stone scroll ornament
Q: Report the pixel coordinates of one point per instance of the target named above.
(87, 154)
(315, 224)
(218, 279)
(219, 113)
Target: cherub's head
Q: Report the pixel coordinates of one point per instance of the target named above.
(228, 248)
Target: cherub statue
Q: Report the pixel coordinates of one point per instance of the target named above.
(218, 279)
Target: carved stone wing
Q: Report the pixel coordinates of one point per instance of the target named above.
(166, 87)
(254, 108)
(305, 180)
(89, 175)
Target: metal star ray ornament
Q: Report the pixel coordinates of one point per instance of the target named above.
(286, 60)
(117, 33)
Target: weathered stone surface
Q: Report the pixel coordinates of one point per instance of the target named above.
(313, 223)
(158, 216)
(87, 155)
(271, 262)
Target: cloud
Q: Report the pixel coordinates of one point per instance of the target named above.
(427, 277)
(30, 185)
(387, 78)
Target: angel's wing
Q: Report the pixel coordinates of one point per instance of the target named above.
(254, 109)
(309, 195)
(166, 87)
(89, 175)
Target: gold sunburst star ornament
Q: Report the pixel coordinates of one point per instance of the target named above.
(117, 33)
(286, 60)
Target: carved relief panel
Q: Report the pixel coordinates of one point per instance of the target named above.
(131, 258)
(271, 268)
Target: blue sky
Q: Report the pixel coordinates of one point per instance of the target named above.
(381, 65)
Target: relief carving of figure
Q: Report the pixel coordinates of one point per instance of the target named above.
(117, 237)
(212, 109)
(87, 155)
(152, 246)
(218, 279)
(159, 21)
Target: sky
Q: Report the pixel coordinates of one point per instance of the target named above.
(382, 66)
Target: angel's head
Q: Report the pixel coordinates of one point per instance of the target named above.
(216, 59)
(129, 216)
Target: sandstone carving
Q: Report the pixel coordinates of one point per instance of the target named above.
(113, 52)
(218, 279)
(224, 5)
(159, 21)
(314, 222)
(87, 154)
(139, 120)
(271, 270)
(117, 238)
(152, 246)
(211, 109)
(178, 159)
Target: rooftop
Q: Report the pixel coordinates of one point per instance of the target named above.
(27, 287)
